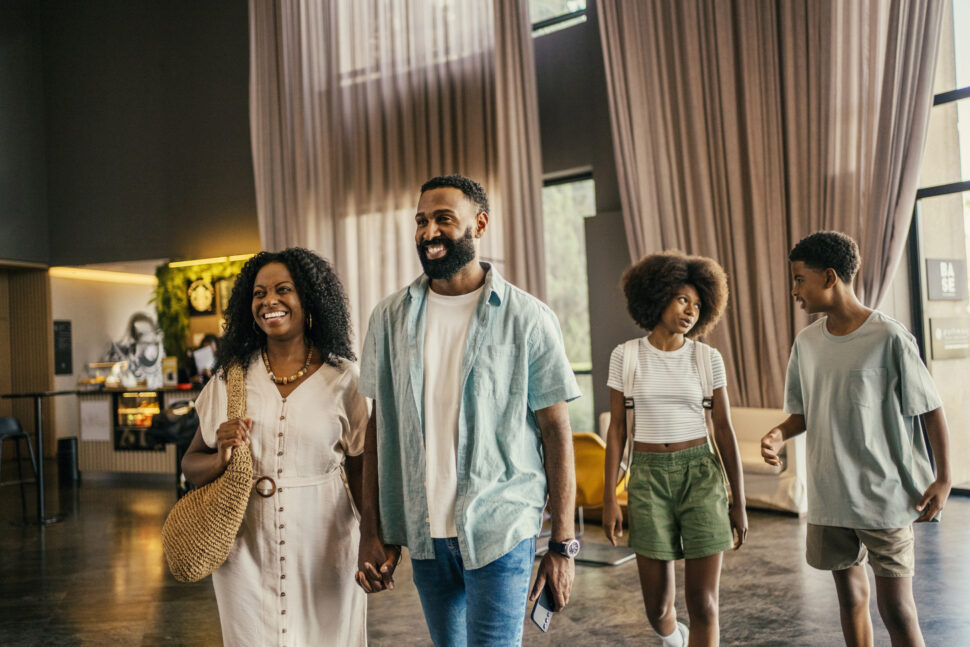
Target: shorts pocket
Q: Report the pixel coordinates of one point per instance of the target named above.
(867, 387)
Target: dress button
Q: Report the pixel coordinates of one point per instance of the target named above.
(284, 631)
(282, 541)
(283, 612)
(282, 525)
(283, 594)
(283, 576)
(279, 453)
(280, 434)
(282, 559)
(282, 417)
(281, 509)
(280, 490)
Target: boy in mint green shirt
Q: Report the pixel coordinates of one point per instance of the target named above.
(856, 384)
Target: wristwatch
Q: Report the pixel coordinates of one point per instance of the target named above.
(569, 548)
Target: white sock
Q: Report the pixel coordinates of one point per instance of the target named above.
(676, 639)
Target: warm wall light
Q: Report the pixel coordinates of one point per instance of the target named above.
(104, 276)
(212, 261)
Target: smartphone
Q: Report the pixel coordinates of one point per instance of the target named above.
(542, 611)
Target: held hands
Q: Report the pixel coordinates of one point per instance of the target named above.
(612, 521)
(771, 444)
(232, 433)
(558, 571)
(933, 500)
(739, 523)
(376, 563)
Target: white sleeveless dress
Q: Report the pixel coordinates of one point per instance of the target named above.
(289, 580)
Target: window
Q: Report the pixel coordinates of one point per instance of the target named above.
(942, 210)
(566, 202)
(552, 15)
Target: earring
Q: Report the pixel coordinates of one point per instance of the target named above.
(309, 321)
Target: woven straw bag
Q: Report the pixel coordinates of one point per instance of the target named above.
(201, 528)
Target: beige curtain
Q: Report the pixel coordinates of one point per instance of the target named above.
(520, 155)
(740, 126)
(355, 103)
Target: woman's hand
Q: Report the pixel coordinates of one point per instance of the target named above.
(232, 433)
(739, 522)
(612, 520)
(376, 563)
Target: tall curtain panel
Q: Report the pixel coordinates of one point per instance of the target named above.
(740, 126)
(355, 103)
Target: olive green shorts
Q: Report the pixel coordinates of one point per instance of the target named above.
(678, 506)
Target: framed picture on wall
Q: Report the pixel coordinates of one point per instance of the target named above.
(224, 291)
(201, 297)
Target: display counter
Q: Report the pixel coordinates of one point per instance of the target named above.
(113, 423)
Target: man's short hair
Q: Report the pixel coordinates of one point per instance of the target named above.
(468, 186)
(825, 249)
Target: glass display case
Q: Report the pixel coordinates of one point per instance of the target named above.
(134, 411)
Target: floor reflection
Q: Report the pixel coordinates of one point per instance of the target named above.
(100, 578)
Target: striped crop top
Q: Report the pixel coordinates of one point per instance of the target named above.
(667, 397)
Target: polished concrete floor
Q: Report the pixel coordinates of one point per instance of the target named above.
(99, 578)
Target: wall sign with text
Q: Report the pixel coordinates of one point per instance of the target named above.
(950, 337)
(946, 279)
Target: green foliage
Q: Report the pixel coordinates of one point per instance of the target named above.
(172, 302)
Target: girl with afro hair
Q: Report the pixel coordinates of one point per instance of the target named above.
(678, 505)
(290, 575)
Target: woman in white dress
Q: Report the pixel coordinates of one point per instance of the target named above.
(289, 580)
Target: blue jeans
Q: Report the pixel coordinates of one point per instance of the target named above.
(483, 606)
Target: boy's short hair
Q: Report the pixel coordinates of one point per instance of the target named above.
(651, 283)
(825, 249)
(472, 189)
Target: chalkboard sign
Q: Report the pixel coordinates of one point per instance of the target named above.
(62, 348)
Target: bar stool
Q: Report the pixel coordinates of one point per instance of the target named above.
(10, 429)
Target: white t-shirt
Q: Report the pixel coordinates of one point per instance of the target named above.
(446, 327)
(667, 394)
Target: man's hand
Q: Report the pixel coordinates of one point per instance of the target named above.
(739, 522)
(376, 563)
(933, 500)
(558, 571)
(612, 521)
(771, 444)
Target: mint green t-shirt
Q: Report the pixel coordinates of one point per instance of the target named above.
(861, 394)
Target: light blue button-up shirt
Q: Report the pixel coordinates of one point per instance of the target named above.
(513, 364)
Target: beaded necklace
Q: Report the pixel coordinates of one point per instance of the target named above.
(293, 378)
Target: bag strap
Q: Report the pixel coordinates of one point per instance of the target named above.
(235, 392)
(240, 461)
(631, 357)
(702, 359)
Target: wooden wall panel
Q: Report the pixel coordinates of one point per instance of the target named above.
(31, 346)
(6, 406)
(100, 456)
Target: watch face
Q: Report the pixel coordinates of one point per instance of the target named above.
(569, 548)
(572, 548)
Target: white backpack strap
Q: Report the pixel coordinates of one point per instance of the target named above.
(631, 357)
(702, 357)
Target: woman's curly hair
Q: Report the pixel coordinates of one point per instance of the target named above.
(653, 282)
(321, 295)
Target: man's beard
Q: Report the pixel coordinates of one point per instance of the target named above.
(458, 253)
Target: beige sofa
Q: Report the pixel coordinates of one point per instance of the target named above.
(775, 488)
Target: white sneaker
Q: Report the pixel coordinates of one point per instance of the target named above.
(681, 631)
(684, 632)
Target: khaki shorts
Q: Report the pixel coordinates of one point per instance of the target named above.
(678, 506)
(890, 550)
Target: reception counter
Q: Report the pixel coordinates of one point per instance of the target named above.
(113, 424)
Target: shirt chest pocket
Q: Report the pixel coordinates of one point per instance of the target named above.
(498, 371)
(867, 387)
